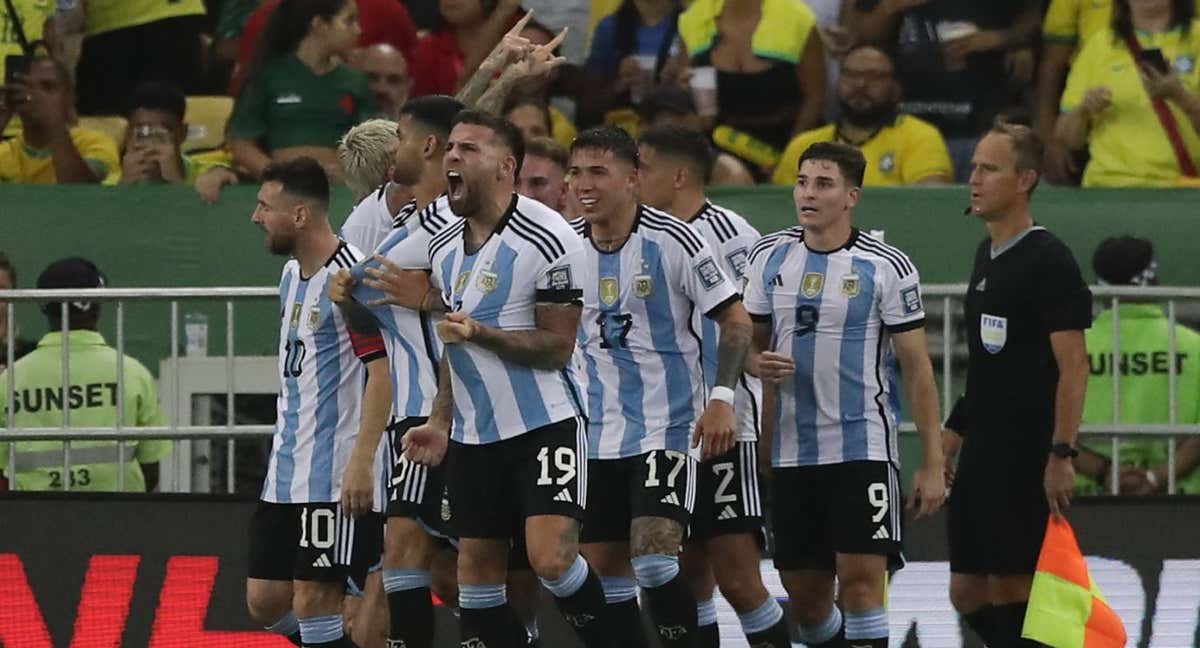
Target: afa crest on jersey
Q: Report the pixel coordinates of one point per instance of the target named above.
(851, 286)
(314, 317)
(487, 281)
(812, 284)
(643, 286)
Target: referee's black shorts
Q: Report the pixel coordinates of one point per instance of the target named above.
(997, 510)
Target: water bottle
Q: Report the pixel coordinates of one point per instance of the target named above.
(195, 331)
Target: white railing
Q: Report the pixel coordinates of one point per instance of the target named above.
(940, 299)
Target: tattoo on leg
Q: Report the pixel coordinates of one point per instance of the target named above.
(655, 535)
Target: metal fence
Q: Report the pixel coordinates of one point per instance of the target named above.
(940, 300)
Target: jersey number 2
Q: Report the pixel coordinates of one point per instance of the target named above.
(293, 358)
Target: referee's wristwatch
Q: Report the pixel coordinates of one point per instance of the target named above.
(1064, 451)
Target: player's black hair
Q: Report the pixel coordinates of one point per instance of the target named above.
(1182, 14)
(159, 95)
(1125, 261)
(608, 138)
(850, 161)
(71, 272)
(435, 112)
(548, 148)
(677, 141)
(303, 177)
(504, 130)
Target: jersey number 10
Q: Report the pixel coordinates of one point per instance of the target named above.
(293, 358)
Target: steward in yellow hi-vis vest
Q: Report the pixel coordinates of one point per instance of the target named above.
(91, 398)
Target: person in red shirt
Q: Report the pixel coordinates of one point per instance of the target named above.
(382, 21)
(467, 32)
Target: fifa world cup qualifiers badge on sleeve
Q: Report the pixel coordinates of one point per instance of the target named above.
(560, 278)
(911, 298)
(710, 274)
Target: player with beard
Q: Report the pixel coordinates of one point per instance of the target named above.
(304, 540)
(507, 270)
(415, 493)
(900, 149)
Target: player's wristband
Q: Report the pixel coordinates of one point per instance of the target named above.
(721, 393)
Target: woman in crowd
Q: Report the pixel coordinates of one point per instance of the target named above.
(299, 97)
(1133, 97)
(770, 71)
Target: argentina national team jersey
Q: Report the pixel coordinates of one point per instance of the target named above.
(731, 238)
(532, 257)
(832, 313)
(642, 372)
(412, 344)
(321, 373)
(370, 221)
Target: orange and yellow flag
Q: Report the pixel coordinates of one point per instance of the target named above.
(1066, 609)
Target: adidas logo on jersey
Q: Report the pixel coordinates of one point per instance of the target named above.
(881, 534)
(727, 514)
(322, 561)
(671, 498)
(982, 285)
(564, 495)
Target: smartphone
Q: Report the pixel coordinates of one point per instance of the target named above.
(15, 64)
(1154, 58)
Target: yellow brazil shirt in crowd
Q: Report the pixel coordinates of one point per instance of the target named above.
(110, 15)
(1127, 143)
(904, 152)
(194, 165)
(92, 400)
(1145, 365)
(1074, 21)
(20, 164)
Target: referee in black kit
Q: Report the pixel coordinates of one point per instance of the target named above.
(1026, 309)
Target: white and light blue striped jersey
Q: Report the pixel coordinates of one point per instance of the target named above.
(532, 257)
(731, 237)
(832, 313)
(321, 373)
(370, 221)
(412, 343)
(642, 373)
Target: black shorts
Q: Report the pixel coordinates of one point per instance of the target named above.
(821, 511)
(659, 483)
(997, 514)
(313, 542)
(417, 491)
(727, 494)
(495, 486)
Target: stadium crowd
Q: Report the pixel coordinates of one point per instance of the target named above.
(427, 111)
(913, 83)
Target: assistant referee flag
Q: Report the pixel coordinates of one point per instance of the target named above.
(1066, 609)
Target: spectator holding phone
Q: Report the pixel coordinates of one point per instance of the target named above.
(154, 137)
(51, 148)
(1133, 97)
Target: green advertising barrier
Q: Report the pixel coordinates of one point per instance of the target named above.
(165, 236)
